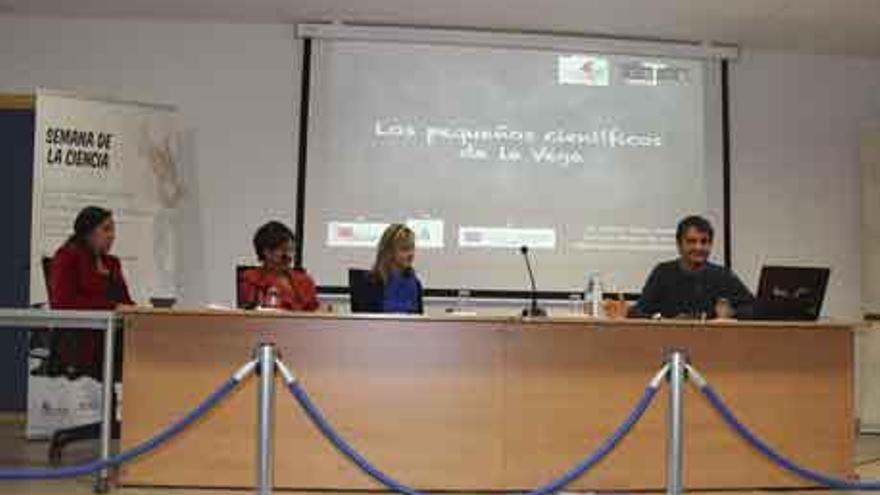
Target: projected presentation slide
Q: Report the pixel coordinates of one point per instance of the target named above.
(589, 159)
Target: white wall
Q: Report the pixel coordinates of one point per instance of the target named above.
(795, 130)
(796, 193)
(235, 89)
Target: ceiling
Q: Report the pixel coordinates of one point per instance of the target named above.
(816, 26)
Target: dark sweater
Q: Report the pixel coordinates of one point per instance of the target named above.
(673, 291)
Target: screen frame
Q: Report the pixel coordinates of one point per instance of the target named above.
(491, 294)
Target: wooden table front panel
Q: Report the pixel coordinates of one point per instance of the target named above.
(483, 403)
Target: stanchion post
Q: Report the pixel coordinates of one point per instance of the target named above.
(675, 417)
(102, 483)
(265, 418)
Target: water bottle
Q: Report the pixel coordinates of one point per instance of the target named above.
(272, 299)
(593, 295)
(575, 304)
(462, 302)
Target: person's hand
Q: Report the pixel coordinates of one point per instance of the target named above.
(616, 308)
(724, 319)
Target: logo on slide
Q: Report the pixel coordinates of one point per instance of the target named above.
(345, 232)
(357, 234)
(585, 70)
(648, 73)
(506, 237)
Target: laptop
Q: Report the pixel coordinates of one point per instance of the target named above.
(791, 293)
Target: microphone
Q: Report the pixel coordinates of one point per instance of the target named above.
(533, 309)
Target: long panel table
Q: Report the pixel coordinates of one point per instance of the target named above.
(470, 403)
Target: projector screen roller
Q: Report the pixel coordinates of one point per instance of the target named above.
(589, 159)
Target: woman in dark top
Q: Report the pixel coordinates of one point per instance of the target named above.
(394, 286)
(84, 275)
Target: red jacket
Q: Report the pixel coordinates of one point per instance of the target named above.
(296, 289)
(74, 281)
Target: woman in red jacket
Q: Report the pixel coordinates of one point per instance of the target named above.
(84, 275)
(275, 284)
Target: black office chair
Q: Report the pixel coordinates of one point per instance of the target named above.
(60, 343)
(359, 291)
(239, 273)
(42, 344)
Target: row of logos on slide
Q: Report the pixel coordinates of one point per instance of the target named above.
(430, 235)
(594, 70)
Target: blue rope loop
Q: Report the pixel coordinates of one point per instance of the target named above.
(142, 448)
(345, 448)
(764, 448)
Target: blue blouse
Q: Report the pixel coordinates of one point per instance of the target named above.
(401, 294)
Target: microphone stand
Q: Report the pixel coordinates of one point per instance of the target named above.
(533, 310)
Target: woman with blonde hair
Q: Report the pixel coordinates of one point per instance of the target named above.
(393, 286)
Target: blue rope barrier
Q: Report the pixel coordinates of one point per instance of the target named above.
(142, 448)
(579, 469)
(823, 479)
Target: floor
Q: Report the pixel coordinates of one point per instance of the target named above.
(15, 451)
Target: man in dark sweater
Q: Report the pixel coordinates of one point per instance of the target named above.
(691, 286)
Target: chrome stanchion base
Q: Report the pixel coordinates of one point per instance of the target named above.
(102, 485)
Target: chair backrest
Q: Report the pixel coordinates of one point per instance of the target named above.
(359, 290)
(46, 264)
(239, 273)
